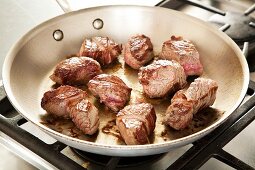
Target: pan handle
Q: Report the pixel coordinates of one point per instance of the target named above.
(64, 5)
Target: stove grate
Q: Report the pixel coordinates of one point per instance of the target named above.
(240, 29)
(119, 162)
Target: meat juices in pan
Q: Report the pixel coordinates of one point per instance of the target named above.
(67, 101)
(184, 52)
(76, 70)
(185, 103)
(138, 51)
(136, 122)
(102, 49)
(111, 90)
(161, 78)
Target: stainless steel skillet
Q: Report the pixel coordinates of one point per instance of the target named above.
(32, 59)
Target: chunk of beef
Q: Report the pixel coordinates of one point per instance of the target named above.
(184, 52)
(111, 90)
(85, 116)
(76, 70)
(161, 78)
(57, 101)
(102, 49)
(185, 103)
(136, 123)
(67, 101)
(138, 51)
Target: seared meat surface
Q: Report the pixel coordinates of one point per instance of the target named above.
(111, 90)
(85, 116)
(57, 101)
(185, 103)
(184, 52)
(138, 51)
(102, 49)
(67, 101)
(161, 78)
(76, 70)
(136, 122)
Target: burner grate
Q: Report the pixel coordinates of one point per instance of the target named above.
(120, 162)
(240, 29)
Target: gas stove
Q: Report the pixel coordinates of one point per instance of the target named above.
(228, 146)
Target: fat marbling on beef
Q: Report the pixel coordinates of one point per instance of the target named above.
(200, 94)
(111, 90)
(67, 101)
(161, 78)
(76, 70)
(184, 52)
(102, 49)
(136, 123)
(138, 51)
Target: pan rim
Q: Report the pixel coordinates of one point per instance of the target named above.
(173, 143)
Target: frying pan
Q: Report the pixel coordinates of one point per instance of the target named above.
(32, 59)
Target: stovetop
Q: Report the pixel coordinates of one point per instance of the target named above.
(202, 154)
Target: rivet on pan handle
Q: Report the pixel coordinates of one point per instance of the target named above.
(58, 35)
(98, 23)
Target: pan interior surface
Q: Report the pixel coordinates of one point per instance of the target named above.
(32, 60)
